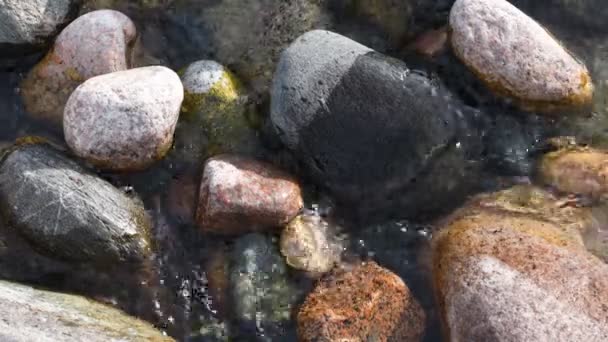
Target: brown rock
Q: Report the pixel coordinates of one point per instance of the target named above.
(368, 303)
(239, 195)
(503, 274)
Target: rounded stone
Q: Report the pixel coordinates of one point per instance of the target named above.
(79, 53)
(124, 120)
(516, 57)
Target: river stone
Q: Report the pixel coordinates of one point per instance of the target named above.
(124, 120)
(517, 57)
(29, 24)
(239, 195)
(368, 303)
(215, 108)
(261, 294)
(393, 16)
(518, 277)
(30, 314)
(80, 52)
(374, 132)
(69, 213)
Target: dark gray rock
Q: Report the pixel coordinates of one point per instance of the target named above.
(27, 24)
(67, 212)
(372, 131)
(29, 314)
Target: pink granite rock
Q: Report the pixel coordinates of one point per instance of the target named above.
(124, 120)
(239, 195)
(517, 57)
(94, 44)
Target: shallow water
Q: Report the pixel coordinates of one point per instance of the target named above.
(175, 295)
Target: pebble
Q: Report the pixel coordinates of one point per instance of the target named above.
(239, 195)
(516, 57)
(368, 303)
(80, 52)
(125, 120)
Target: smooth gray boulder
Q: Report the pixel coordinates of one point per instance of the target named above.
(29, 314)
(27, 24)
(67, 212)
(375, 133)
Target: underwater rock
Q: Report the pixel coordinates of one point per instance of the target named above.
(368, 303)
(393, 16)
(125, 120)
(80, 52)
(516, 57)
(69, 213)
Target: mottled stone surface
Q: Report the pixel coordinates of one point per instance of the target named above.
(28, 24)
(239, 195)
(576, 170)
(503, 274)
(367, 303)
(94, 44)
(375, 133)
(517, 57)
(309, 243)
(69, 213)
(30, 314)
(124, 120)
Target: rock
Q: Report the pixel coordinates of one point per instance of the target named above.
(261, 294)
(67, 212)
(124, 120)
(30, 24)
(181, 198)
(393, 16)
(576, 170)
(517, 275)
(342, 110)
(309, 244)
(80, 52)
(239, 195)
(516, 57)
(585, 15)
(368, 303)
(431, 42)
(37, 315)
(215, 109)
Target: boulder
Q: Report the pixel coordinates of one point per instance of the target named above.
(30, 24)
(239, 195)
(125, 120)
(67, 212)
(516, 57)
(36, 315)
(511, 270)
(375, 133)
(368, 303)
(80, 52)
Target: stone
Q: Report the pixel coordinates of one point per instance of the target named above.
(36, 315)
(342, 110)
(516, 57)
(262, 296)
(239, 195)
(214, 117)
(79, 53)
(393, 16)
(368, 303)
(125, 120)
(576, 170)
(309, 244)
(27, 25)
(517, 276)
(181, 198)
(69, 213)
(431, 43)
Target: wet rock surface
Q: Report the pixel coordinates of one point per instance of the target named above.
(240, 194)
(124, 120)
(37, 315)
(368, 302)
(486, 35)
(79, 53)
(69, 213)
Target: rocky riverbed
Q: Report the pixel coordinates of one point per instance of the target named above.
(303, 170)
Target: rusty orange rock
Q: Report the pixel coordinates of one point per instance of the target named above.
(368, 303)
